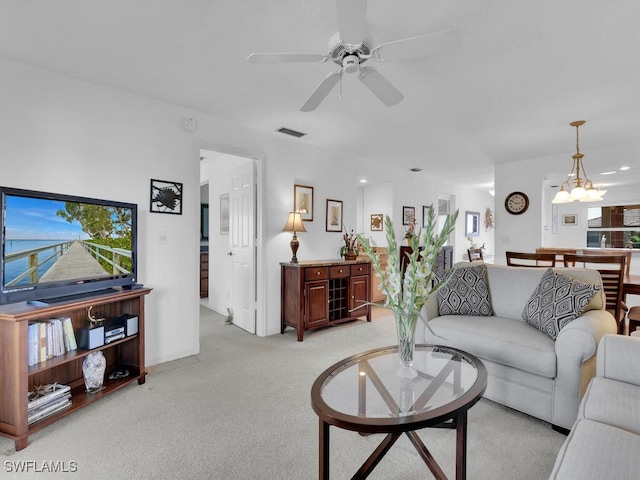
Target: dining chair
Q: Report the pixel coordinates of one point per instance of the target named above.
(475, 255)
(525, 259)
(612, 270)
(633, 319)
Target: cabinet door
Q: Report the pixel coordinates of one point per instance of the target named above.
(316, 306)
(358, 294)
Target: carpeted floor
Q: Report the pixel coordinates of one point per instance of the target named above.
(241, 410)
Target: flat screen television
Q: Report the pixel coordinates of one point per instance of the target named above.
(54, 246)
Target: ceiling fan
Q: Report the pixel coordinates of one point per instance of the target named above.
(352, 46)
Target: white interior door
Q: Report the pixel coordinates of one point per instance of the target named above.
(242, 211)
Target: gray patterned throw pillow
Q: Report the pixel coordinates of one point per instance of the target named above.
(465, 293)
(557, 301)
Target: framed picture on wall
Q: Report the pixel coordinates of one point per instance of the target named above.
(408, 214)
(204, 221)
(334, 215)
(377, 223)
(165, 197)
(425, 215)
(570, 219)
(472, 224)
(303, 201)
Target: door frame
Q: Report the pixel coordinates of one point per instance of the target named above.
(260, 270)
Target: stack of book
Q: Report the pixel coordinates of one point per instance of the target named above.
(47, 400)
(49, 338)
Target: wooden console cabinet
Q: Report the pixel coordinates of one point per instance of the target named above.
(318, 294)
(17, 378)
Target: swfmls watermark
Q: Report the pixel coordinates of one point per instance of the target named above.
(42, 466)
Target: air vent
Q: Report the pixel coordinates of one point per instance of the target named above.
(415, 169)
(293, 133)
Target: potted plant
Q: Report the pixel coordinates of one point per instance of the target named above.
(349, 249)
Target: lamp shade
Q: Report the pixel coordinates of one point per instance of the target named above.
(578, 193)
(294, 223)
(593, 195)
(561, 197)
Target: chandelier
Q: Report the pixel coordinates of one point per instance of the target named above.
(577, 186)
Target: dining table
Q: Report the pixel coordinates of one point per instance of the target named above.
(631, 286)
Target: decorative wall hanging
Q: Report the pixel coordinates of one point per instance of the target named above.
(334, 215)
(570, 219)
(377, 222)
(166, 197)
(489, 221)
(303, 201)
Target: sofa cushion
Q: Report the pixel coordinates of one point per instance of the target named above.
(500, 340)
(588, 275)
(612, 402)
(557, 300)
(511, 287)
(465, 293)
(596, 451)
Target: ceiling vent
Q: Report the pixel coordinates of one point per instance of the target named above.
(288, 131)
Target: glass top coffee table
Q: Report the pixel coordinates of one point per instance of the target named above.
(370, 393)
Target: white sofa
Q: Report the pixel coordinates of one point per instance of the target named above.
(527, 369)
(605, 440)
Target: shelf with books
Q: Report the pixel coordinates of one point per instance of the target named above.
(74, 355)
(17, 378)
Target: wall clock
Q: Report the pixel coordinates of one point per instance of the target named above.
(516, 203)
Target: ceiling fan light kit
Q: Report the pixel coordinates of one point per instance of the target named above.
(352, 45)
(583, 189)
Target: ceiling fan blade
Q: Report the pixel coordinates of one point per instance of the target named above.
(321, 91)
(380, 86)
(419, 46)
(351, 20)
(286, 57)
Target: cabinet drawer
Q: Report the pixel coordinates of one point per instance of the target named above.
(360, 269)
(340, 271)
(316, 273)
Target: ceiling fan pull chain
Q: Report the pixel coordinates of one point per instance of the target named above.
(340, 97)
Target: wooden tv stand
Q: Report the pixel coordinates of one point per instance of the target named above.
(17, 378)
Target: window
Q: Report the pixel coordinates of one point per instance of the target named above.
(445, 205)
(614, 227)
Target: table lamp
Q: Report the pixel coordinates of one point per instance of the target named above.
(294, 224)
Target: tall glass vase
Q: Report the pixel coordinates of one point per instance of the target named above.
(406, 329)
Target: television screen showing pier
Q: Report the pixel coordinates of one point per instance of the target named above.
(50, 240)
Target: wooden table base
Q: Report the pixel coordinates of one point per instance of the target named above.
(370, 464)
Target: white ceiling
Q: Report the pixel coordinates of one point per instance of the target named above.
(525, 70)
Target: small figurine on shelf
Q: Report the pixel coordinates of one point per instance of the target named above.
(350, 248)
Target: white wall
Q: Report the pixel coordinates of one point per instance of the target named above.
(377, 199)
(65, 136)
(62, 135)
(534, 228)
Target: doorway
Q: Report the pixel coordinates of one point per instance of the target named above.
(231, 242)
